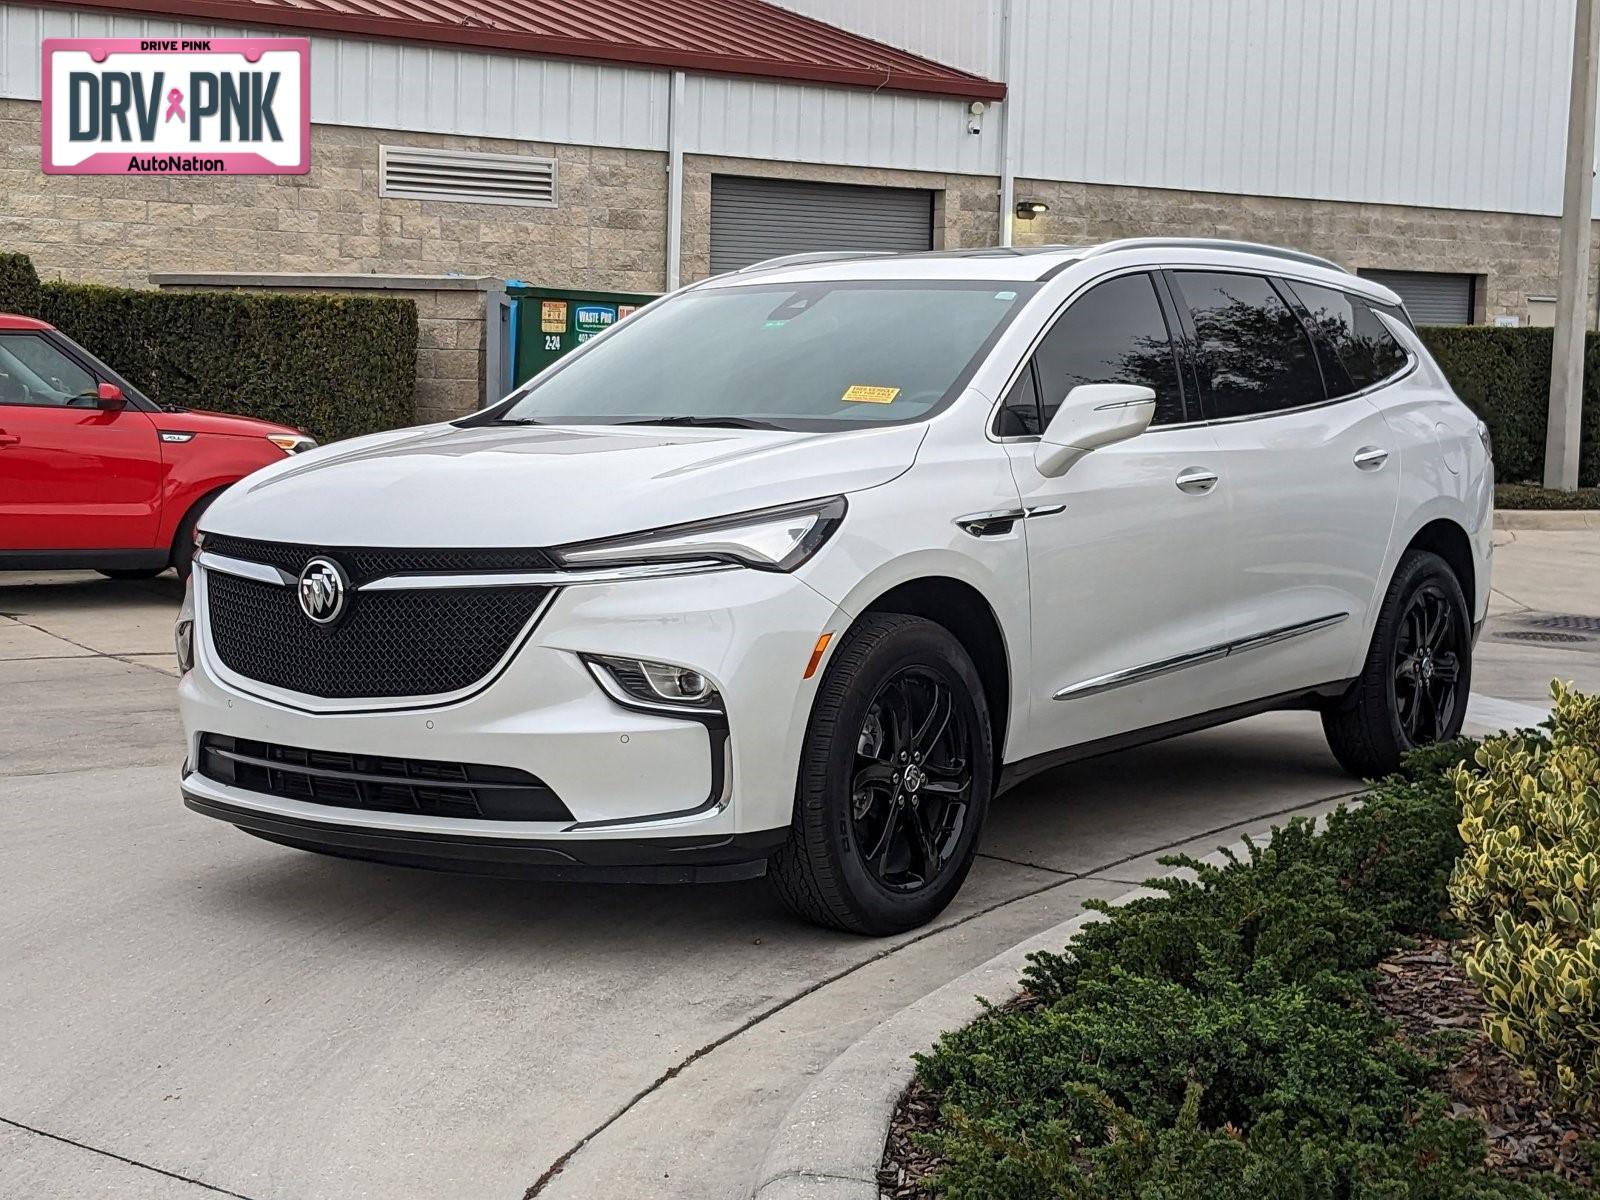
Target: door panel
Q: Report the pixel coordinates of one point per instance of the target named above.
(1125, 548)
(1313, 504)
(78, 478)
(1126, 576)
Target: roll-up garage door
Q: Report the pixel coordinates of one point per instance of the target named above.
(753, 219)
(1431, 298)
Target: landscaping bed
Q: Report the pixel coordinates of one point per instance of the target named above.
(1300, 1022)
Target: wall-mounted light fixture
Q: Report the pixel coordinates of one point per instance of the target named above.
(1027, 210)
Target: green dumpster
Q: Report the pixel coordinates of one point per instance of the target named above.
(552, 321)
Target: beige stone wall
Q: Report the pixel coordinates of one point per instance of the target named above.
(1513, 254)
(966, 207)
(607, 233)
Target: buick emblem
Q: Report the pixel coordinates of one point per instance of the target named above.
(322, 590)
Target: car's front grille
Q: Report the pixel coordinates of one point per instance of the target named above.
(412, 642)
(379, 782)
(402, 642)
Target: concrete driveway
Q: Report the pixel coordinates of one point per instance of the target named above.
(186, 1011)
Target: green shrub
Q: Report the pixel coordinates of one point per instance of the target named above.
(335, 366)
(1528, 888)
(1503, 375)
(1219, 1043)
(1523, 495)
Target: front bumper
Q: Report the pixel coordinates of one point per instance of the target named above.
(650, 793)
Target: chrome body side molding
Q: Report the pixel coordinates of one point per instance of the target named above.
(1165, 666)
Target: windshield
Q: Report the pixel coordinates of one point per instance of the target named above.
(785, 356)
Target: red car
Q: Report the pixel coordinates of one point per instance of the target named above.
(95, 475)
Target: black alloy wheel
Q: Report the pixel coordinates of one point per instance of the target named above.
(1427, 666)
(912, 787)
(1416, 677)
(894, 780)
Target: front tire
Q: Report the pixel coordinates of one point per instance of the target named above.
(1414, 684)
(894, 783)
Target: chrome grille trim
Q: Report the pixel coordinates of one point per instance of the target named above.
(260, 572)
(572, 578)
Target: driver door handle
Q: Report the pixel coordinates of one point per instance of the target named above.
(8, 439)
(1197, 481)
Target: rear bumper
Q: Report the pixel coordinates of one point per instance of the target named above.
(707, 859)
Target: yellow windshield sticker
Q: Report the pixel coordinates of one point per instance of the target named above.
(860, 393)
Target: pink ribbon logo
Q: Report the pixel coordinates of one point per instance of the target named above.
(175, 105)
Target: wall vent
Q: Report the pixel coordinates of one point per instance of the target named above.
(414, 173)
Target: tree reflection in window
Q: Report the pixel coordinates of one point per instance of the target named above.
(1113, 333)
(1254, 356)
(1356, 350)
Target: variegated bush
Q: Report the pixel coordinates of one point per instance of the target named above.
(1528, 889)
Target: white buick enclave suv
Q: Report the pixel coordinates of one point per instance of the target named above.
(793, 570)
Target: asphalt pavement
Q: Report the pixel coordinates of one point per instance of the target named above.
(189, 1012)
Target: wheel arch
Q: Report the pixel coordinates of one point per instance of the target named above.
(196, 504)
(1448, 539)
(963, 610)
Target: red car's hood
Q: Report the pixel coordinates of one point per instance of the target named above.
(199, 421)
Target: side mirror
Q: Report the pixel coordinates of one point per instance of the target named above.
(109, 395)
(1093, 415)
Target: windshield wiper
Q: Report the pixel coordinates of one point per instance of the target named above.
(514, 421)
(705, 422)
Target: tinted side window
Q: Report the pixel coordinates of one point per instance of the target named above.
(1113, 333)
(1364, 352)
(1253, 353)
(1019, 415)
(32, 371)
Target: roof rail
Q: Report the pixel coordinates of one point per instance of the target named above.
(1199, 243)
(814, 256)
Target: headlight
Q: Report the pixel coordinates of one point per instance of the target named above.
(292, 443)
(771, 539)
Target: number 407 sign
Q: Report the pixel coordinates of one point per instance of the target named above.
(205, 106)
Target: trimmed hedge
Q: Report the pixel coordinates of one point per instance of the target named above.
(1525, 495)
(1503, 375)
(335, 366)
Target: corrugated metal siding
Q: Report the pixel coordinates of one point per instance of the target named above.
(756, 219)
(1445, 103)
(1430, 297)
(963, 33)
(1449, 103)
(751, 118)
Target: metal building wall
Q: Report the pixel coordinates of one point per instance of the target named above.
(963, 33)
(1442, 103)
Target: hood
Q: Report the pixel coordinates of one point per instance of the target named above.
(441, 485)
(196, 420)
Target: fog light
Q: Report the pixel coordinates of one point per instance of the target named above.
(641, 682)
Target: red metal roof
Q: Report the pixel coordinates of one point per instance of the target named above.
(738, 37)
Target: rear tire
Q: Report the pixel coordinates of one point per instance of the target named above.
(1413, 687)
(894, 782)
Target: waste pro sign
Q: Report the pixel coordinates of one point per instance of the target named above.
(170, 106)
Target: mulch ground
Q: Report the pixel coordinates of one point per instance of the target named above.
(1424, 992)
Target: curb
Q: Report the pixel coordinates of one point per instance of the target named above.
(831, 1141)
(1538, 518)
